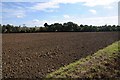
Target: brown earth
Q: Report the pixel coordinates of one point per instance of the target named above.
(33, 55)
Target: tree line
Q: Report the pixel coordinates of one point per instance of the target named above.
(58, 27)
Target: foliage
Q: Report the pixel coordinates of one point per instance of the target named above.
(57, 27)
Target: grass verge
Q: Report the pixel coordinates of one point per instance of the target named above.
(102, 64)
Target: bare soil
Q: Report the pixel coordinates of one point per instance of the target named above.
(34, 55)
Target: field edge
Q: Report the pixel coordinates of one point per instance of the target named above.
(102, 64)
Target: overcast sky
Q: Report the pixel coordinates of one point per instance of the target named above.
(90, 12)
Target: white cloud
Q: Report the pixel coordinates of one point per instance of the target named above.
(93, 3)
(108, 7)
(39, 23)
(93, 11)
(55, 3)
(24, 0)
(44, 6)
(35, 20)
(49, 10)
(97, 21)
(19, 14)
(113, 20)
(66, 16)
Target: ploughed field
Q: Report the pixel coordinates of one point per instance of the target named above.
(34, 55)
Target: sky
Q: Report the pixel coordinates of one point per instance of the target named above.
(38, 12)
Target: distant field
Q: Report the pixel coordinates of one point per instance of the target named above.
(34, 55)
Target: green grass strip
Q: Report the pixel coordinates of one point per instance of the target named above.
(93, 62)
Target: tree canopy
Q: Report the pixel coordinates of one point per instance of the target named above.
(58, 27)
